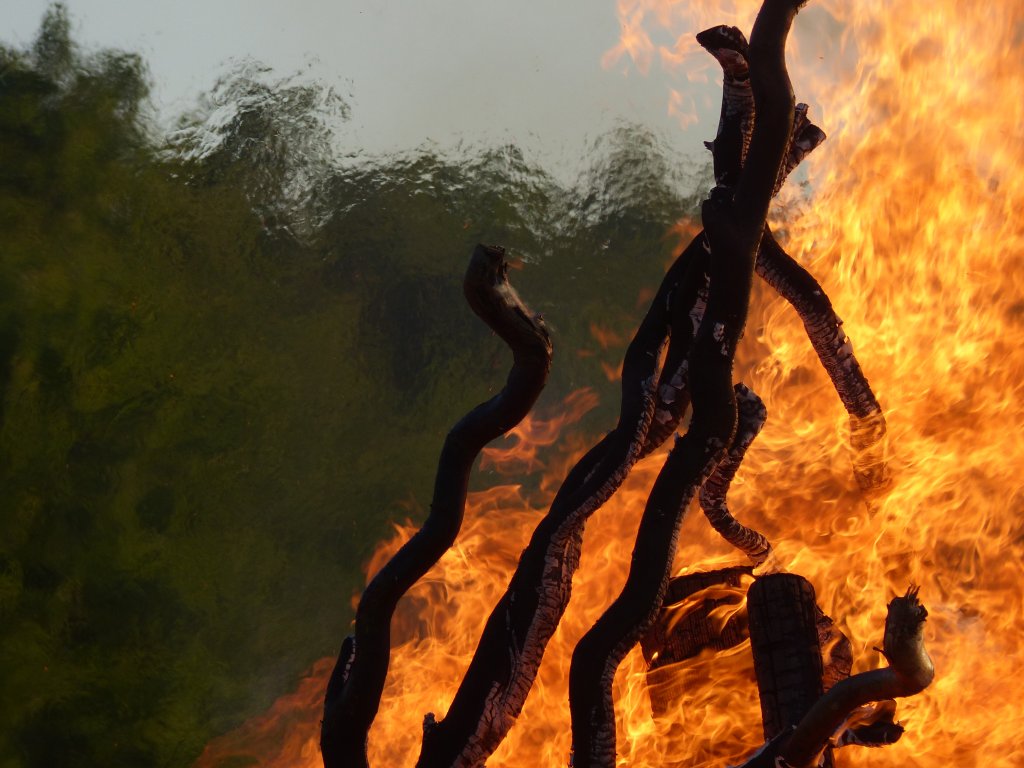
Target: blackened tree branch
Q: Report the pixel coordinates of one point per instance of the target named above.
(910, 671)
(355, 688)
(733, 222)
(781, 271)
(835, 351)
(751, 419)
(687, 302)
(516, 634)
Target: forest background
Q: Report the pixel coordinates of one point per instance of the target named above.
(228, 358)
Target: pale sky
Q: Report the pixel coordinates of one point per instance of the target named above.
(522, 71)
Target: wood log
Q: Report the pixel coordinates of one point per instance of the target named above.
(783, 619)
(685, 627)
(357, 682)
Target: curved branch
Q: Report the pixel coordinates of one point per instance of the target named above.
(778, 269)
(355, 688)
(687, 303)
(733, 224)
(516, 634)
(752, 416)
(910, 671)
(835, 351)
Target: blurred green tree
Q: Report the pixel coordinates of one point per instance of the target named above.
(228, 357)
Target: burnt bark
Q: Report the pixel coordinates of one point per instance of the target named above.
(354, 690)
(909, 672)
(779, 269)
(686, 305)
(835, 351)
(733, 221)
(752, 416)
(516, 634)
(684, 626)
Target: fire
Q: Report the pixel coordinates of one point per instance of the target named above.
(910, 219)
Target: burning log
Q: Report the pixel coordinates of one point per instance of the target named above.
(355, 687)
(782, 615)
(910, 671)
(734, 219)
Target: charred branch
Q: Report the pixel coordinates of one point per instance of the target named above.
(516, 634)
(355, 687)
(733, 223)
(779, 269)
(686, 305)
(841, 716)
(910, 671)
(751, 419)
(835, 351)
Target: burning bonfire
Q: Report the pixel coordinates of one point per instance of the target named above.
(674, 656)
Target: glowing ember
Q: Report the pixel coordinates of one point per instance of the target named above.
(911, 222)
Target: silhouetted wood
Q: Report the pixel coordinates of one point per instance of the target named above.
(733, 221)
(751, 418)
(779, 269)
(354, 690)
(516, 634)
(835, 351)
(909, 672)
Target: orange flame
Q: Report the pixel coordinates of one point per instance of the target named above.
(911, 220)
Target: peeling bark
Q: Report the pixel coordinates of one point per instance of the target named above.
(354, 690)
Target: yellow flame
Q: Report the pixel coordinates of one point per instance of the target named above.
(911, 221)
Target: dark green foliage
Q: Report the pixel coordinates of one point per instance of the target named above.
(225, 361)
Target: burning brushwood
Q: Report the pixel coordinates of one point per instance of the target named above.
(354, 691)
(777, 268)
(734, 220)
(699, 311)
(751, 417)
(842, 716)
